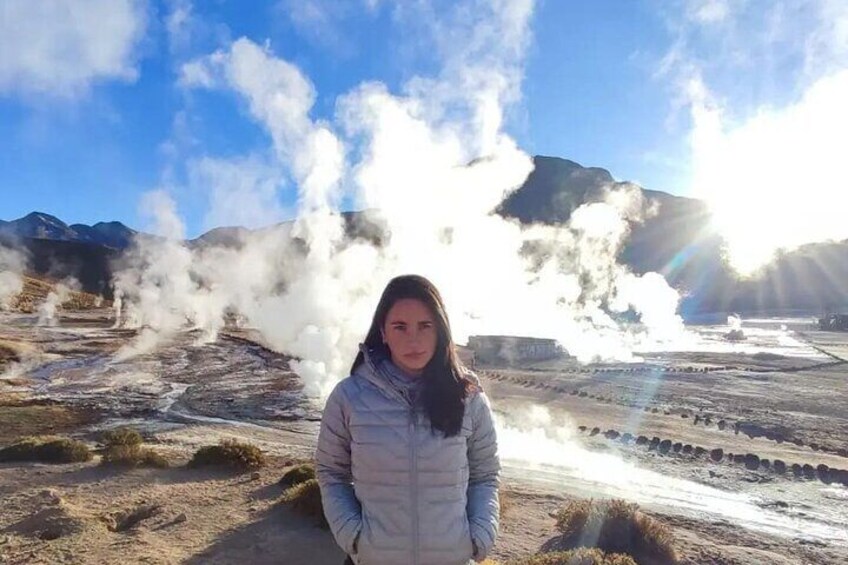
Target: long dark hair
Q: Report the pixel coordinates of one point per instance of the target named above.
(444, 386)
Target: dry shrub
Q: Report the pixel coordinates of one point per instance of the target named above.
(297, 475)
(46, 449)
(305, 499)
(121, 436)
(123, 449)
(616, 526)
(579, 556)
(229, 453)
(132, 456)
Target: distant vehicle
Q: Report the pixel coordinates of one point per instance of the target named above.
(834, 322)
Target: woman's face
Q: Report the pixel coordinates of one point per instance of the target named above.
(410, 334)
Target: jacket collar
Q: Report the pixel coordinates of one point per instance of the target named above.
(370, 371)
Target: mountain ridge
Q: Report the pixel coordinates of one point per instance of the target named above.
(677, 242)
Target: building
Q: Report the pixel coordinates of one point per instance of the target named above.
(513, 350)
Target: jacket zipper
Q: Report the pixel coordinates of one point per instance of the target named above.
(413, 432)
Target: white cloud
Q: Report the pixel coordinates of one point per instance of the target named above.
(178, 23)
(60, 48)
(280, 98)
(709, 11)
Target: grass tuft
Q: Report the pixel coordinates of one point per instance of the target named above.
(297, 475)
(121, 436)
(305, 499)
(46, 449)
(579, 556)
(229, 453)
(616, 526)
(133, 456)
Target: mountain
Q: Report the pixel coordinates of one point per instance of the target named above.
(555, 188)
(89, 263)
(676, 241)
(39, 225)
(110, 234)
(679, 243)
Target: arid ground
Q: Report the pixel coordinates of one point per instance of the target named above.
(742, 449)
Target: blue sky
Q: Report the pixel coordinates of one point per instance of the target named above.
(85, 131)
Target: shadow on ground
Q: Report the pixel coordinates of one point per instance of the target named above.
(278, 536)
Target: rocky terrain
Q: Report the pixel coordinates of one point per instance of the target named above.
(707, 441)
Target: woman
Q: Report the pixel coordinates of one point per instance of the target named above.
(407, 454)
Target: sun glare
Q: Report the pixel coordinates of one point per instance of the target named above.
(772, 181)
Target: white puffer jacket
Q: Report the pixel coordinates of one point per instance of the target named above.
(394, 492)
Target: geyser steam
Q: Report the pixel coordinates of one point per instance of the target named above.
(430, 163)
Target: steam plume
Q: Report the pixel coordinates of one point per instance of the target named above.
(431, 163)
(12, 264)
(48, 308)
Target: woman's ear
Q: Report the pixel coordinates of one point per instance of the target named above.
(383, 336)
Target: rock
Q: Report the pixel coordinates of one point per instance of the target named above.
(677, 447)
(581, 428)
(738, 458)
(626, 437)
(717, 454)
(595, 431)
(180, 519)
(779, 466)
(765, 464)
(752, 462)
(699, 451)
(611, 434)
(641, 440)
(722, 425)
(665, 446)
(809, 471)
(655, 441)
(255, 476)
(687, 449)
(50, 497)
(797, 470)
(824, 474)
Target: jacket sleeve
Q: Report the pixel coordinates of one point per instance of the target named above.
(332, 468)
(484, 467)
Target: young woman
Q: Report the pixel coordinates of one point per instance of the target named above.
(407, 454)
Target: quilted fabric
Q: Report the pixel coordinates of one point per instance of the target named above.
(394, 491)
